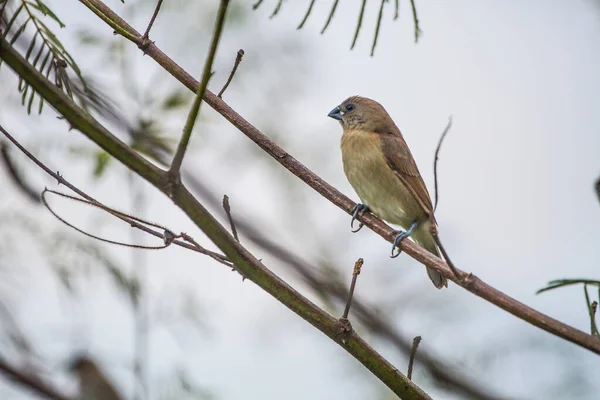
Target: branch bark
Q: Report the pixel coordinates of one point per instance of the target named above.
(471, 283)
(244, 261)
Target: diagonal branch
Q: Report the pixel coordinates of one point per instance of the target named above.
(471, 283)
(134, 222)
(244, 261)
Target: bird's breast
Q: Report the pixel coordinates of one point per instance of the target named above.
(374, 181)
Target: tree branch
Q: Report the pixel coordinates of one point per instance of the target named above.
(206, 74)
(472, 283)
(244, 261)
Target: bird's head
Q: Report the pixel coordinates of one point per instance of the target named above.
(362, 113)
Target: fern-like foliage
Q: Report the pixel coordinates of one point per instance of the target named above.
(359, 22)
(22, 24)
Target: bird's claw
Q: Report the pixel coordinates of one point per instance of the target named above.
(400, 235)
(359, 209)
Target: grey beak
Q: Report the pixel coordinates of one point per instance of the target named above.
(336, 113)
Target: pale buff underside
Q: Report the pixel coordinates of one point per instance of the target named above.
(375, 183)
(383, 192)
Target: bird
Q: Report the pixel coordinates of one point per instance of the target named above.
(383, 173)
(93, 384)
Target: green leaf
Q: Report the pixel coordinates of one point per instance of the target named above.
(566, 282)
(48, 12)
(102, 160)
(175, 100)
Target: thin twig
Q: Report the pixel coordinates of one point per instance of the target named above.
(330, 17)
(227, 209)
(591, 311)
(415, 20)
(238, 60)
(413, 353)
(147, 32)
(379, 17)
(433, 228)
(207, 72)
(135, 246)
(166, 235)
(460, 276)
(357, 266)
(593, 308)
(310, 7)
(435, 160)
(359, 23)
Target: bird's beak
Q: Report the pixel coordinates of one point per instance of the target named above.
(336, 113)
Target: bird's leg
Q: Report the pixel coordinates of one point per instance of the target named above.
(359, 209)
(400, 234)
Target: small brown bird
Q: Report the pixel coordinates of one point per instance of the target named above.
(93, 384)
(382, 171)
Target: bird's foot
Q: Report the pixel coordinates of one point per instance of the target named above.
(400, 235)
(359, 209)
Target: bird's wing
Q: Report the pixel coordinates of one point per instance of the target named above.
(401, 161)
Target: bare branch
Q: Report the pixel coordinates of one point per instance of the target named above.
(167, 234)
(227, 209)
(413, 353)
(152, 19)
(135, 246)
(206, 74)
(435, 160)
(357, 266)
(238, 60)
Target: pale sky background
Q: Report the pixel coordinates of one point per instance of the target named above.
(516, 180)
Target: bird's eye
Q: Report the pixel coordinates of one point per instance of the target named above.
(349, 107)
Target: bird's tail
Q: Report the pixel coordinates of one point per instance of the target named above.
(423, 237)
